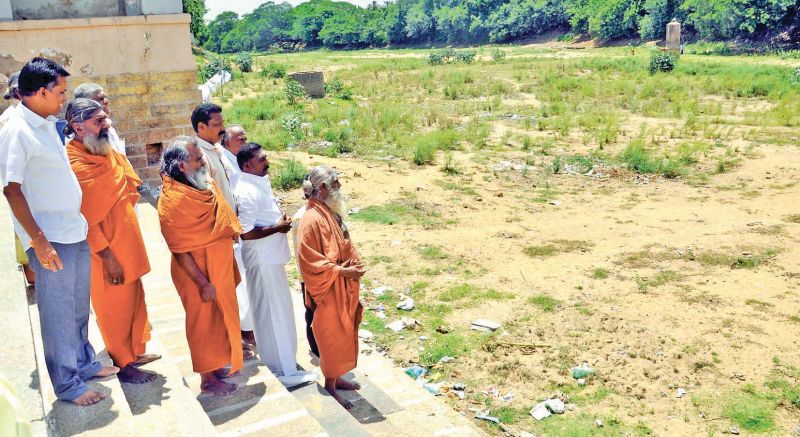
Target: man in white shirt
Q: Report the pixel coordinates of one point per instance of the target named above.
(209, 124)
(93, 91)
(45, 200)
(234, 138)
(265, 249)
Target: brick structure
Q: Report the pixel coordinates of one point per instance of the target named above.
(313, 82)
(144, 63)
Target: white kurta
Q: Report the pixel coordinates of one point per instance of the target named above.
(268, 287)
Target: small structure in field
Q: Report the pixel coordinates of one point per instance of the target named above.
(673, 42)
(313, 82)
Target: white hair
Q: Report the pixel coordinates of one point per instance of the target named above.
(315, 178)
(87, 90)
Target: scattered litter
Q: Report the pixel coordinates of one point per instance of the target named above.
(571, 407)
(459, 394)
(540, 412)
(423, 337)
(378, 291)
(734, 430)
(406, 303)
(526, 434)
(396, 242)
(555, 202)
(446, 359)
(409, 322)
(582, 371)
(508, 165)
(484, 325)
(486, 416)
(416, 371)
(491, 391)
(459, 386)
(555, 406)
(433, 388)
(442, 329)
(508, 396)
(354, 211)
(364, 334)
(396, 326)
(599, 423)
(681, 393)
(581, 381)
(380, 315)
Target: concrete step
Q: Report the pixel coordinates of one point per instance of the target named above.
(262, 406)
(18, 360)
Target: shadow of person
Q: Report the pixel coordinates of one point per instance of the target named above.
(143, 396)
(71, 419)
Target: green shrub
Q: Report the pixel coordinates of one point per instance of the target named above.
(639, 159)
(212, 67)
(291, 122)
(273, 71)
(338, 89)
(662, 62)
(294, 91)
(423, 153)
(498, 55)
(288, 175)
(466, 56)
(245, 62)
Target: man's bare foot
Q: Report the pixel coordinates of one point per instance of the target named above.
(248, 354)
(91, 397)
(342, 401)
(224, 373)
(143, 359)
(343, 384)
(107, 371)
(218, 387)
(133, 375)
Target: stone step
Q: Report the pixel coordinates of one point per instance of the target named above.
(18, 360)
(262, 406)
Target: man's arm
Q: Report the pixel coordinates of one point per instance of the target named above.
(283, 226)
(207, 290)
(45, 252)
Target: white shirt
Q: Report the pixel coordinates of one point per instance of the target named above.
(295, 226)
(219, 168)
(117, 143)
(236, 172)
(258, 208)
(6, 115)
(32, 154)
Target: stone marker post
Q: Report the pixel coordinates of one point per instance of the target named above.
(674, 36)
(313, 82)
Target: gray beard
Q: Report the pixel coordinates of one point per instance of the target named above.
(336, 203)
(96, 144)
(200, 179)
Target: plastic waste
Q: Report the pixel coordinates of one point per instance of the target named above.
(582, 371)
(416, 371)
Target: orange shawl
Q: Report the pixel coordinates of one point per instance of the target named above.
(321, 253)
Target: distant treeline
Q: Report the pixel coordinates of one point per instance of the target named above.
(412, 22)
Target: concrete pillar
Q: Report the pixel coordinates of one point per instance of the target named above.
(161, 7)
(6, 13)
(673, 42)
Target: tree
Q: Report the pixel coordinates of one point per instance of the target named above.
(419, 24)
(197, 9)
(219, 28)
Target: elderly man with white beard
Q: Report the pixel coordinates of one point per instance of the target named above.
(93, 91)
(199, 227)
(265, 250)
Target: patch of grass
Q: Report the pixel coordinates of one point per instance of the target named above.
(423, 153)
(660, 279)
(758, 304)
(287, 174)
(794, 218)
(462, 292)
(736, 261)
(404, 210)
(440, 345)
(580, 425)
(641, 160)
(544, 302)
(750, 411)
(558, 246)
(433, 253)
(510, 415)
(600, 273)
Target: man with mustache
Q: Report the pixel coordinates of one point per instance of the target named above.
(209, 123)
(93, 91)
(45, 200)
(199, 227)
(265, 250)
(331, 270)
(119, 259)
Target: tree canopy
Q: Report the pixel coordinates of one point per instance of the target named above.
(340, 24)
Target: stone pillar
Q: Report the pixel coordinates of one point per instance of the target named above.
(673, 42)
(313, 82)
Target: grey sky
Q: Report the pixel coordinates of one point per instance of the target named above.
(241, 7)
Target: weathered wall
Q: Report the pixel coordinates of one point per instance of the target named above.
(47, 9)
(145, 64)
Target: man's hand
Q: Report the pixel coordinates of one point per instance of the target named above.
(112, 268)
(208, 292)
(355, 271)
(284, 225)
(46, 254)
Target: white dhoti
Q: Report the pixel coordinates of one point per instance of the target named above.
(273, 318)
(245, 315)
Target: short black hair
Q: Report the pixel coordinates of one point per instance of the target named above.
(246, 153)
(202, 113)
(39, 73)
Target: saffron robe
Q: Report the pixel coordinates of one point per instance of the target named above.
(202, 224)
(109, 187)
(322, 251)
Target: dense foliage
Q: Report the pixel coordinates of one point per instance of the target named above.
(403, 22)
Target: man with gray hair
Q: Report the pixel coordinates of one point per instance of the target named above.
(93, 91)
(119, 258)
(331, 269)
(199, 227)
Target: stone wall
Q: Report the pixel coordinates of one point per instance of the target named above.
(149, 110)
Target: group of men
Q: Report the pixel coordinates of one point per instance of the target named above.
(73, 194)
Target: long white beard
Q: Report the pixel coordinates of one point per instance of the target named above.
(200, 179)
(96, 144)
(336, 203)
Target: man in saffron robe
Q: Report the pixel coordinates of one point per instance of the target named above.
(331, 270)
(199, 227)
(119, 259)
